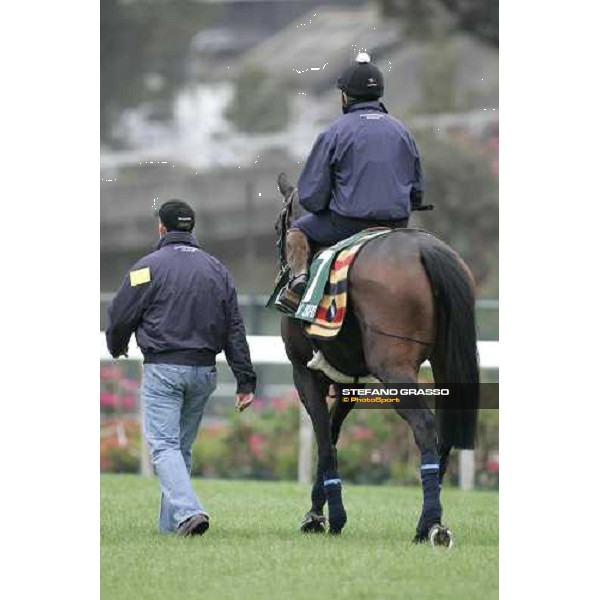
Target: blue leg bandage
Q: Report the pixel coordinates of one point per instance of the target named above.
(430, 481)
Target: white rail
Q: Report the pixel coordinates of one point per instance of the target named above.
(269, 350)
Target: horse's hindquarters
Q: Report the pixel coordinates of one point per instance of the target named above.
(393, 301)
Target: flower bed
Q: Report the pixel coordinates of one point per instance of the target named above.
(375, 447)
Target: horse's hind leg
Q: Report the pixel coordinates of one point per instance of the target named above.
(422, 422)
(312, 388)
(444, 451)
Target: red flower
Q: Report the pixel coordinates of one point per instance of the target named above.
(362, 432)
(108, 400)
(130, 385)
(280, 404)
(111, 372)
(257, 444)
(128, 402)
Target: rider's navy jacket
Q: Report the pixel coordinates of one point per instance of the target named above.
(182, 305)
(363, 166)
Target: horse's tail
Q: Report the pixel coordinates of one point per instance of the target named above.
(456, 343)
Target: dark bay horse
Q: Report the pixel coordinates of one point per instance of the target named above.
(411, 299)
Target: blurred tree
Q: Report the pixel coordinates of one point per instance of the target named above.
(260, 104)
(120, 62)
(425, 17)
(415, 12)
(143, 51)
(438, 78)
(479, 17)
(461, 183)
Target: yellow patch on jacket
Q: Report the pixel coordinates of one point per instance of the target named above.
(140, 276)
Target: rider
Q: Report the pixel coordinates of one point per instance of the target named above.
(363, 171)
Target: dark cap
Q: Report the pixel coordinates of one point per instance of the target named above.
(177, 215)
(362, 79)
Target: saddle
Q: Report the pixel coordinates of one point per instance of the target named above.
(323, 305)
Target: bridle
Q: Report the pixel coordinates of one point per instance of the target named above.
(282, 226)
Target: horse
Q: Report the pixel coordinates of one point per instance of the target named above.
(411, 298)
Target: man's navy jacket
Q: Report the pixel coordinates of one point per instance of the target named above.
(182, 305)
(363, 166)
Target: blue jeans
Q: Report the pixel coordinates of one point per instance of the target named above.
(173, 399)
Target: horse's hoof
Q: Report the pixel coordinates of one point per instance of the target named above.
(337, 523)
(440, 536)
(313, 523)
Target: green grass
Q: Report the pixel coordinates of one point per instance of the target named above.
(253, 548)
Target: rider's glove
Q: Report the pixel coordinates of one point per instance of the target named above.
(416, 199)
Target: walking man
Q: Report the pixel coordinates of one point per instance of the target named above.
(182, 305)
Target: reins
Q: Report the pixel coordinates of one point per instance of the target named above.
(284, 224)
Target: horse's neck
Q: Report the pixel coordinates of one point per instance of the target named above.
(297, 210)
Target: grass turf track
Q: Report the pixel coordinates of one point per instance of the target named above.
(253, 548)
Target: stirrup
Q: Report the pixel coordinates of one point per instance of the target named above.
(288, 299)
(298, 284)
(287, 302)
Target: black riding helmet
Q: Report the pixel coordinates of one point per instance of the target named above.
(362, 80)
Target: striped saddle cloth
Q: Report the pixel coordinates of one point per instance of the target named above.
(323, 305)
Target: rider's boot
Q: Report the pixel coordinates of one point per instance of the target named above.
(297, 252)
